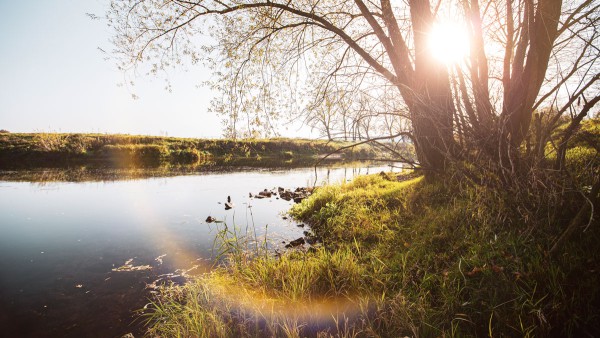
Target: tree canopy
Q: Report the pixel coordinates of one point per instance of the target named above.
(365, 69)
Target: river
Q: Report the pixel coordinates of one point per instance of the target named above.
(78, 252)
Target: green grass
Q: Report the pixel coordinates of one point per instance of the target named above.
(48, 148)
(409, 258)
(397, 256)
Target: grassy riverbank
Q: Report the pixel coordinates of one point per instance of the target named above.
(55, 149)
(400, 257)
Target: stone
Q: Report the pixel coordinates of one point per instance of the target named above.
(296, 242)
(265, 193)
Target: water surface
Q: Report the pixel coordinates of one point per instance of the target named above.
(76, 257)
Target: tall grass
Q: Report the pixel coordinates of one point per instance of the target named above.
(256, 293)
(409, 258)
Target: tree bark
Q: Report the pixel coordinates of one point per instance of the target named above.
(430, 101)
(525, 86)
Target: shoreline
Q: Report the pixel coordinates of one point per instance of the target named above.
(54, 149)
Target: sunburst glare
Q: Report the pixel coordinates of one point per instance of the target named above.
(448, 42)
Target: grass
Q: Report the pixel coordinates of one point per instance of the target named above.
(398, 258)
(55, 148)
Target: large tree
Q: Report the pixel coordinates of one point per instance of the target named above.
(336, 62)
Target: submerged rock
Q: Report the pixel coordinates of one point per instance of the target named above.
(295, 243)
(159, 259)
(128, 266)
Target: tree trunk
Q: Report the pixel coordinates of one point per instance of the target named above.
(525, 83)
(430, 98)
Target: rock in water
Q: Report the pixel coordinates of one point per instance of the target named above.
(229, 204)
(265, 193)
(295, 243)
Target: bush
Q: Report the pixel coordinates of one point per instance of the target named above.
(76, 144)
(150, 153)
(135, 153)
(583, 162)
(50, 142)
(186, 156)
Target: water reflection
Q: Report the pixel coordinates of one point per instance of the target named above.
(86, 173)
(79, 246)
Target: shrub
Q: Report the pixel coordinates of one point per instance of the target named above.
(135, 153)
(50, 142)
(583, 162)
(76, 144)
(186, 156)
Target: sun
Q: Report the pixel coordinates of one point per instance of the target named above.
(448, 42)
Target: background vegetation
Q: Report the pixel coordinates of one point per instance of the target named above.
(55, 148)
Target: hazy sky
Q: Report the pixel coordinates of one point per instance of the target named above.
(53, 77)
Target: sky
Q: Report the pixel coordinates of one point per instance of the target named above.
(54, 78)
